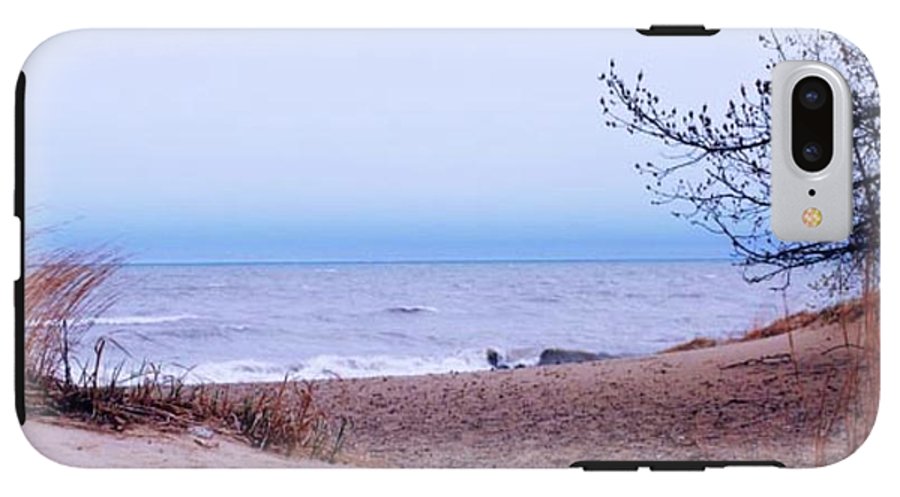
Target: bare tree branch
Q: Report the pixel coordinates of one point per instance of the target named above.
(718, 178)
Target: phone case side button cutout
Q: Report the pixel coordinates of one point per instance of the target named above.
(677, 30)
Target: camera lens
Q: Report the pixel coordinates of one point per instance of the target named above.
(812, 124)
(811, 98)
(812, 152)
(812, 94)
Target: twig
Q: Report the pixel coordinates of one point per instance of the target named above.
(765, 360)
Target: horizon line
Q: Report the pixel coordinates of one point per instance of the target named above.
(287, 262)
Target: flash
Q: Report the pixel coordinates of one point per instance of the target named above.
(812, 217)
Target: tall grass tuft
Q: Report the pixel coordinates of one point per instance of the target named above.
(66, 291)
(61, 303)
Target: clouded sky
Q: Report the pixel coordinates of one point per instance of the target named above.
(359, 145)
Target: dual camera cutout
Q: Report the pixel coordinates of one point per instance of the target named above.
(812, 124)
(811, 153)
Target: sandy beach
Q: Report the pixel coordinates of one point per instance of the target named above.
(78, 444)
(719, 403)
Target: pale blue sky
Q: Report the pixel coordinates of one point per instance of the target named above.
(365, 145)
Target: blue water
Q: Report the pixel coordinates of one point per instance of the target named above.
(257, 322)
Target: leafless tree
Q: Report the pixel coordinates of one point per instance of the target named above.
(718, 177)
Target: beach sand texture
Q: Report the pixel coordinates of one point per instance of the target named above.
(751, 400)
(76, 444)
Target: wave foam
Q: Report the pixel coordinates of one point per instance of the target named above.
(140, 320)
(333, 366)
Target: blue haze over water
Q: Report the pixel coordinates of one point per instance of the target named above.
(360, 145)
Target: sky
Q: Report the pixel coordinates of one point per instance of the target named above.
(179, 146)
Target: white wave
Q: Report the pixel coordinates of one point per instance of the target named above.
(139, 320)
(325, 366)
(334, 366)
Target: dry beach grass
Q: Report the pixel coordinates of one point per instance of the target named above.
(61, 302)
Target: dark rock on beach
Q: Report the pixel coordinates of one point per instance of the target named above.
(548, 357)
(493, 358)
(563, 356)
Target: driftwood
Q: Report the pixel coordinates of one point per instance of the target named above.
(768, 360)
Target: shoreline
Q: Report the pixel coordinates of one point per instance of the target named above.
(768, 398)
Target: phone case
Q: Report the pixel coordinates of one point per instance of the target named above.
(441, 248)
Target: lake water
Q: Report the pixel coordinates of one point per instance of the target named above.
(256, 322)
